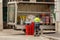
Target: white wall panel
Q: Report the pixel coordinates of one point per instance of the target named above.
(57, 6)
(58, 16)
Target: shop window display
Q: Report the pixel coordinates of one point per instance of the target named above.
(11, 11)
(40, 8)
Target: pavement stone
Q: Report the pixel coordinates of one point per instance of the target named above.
(11, 34)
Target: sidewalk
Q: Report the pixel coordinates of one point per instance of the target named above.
(16, 35)
(11, 32)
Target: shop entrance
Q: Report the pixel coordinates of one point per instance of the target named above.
(19, 12)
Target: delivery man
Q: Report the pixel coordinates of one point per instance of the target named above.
(37, 26)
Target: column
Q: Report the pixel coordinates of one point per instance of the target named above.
(57, 11)
(1, 16)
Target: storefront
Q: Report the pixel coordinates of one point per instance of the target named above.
(24, 10)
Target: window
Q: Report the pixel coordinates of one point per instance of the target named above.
(45, 0)
(49, 0)
(39, 0)
(11, 13)
(26, 0)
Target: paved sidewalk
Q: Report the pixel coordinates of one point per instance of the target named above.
(20, 38)
(16, 35)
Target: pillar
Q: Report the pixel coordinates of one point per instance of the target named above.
(57, 11)
(1, 16)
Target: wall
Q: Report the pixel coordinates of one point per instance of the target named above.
(0, 0)
(1, 18)
(57, 11)
(32, 0)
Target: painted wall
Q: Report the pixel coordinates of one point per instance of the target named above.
(1, 18)
(57, 10)
(0, 0)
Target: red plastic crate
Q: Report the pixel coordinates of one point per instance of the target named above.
(30, 29)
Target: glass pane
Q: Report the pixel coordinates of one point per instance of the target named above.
(39, 0)
(11, 13)
(26, 0)
(49, 0)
